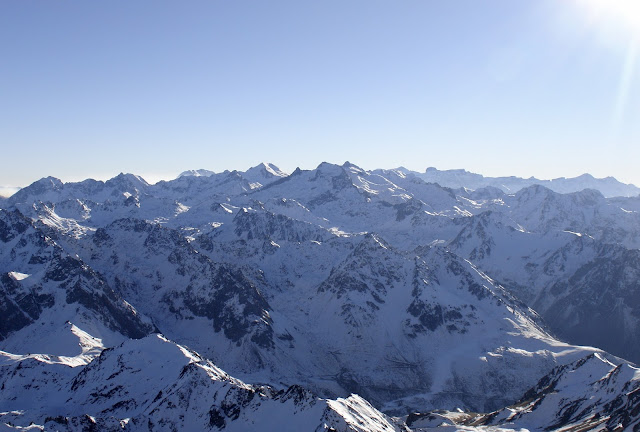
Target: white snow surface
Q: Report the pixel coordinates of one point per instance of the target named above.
(153, 381)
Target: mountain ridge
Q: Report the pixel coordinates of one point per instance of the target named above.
(459, 178)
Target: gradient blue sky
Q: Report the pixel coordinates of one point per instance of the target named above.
(499, 87)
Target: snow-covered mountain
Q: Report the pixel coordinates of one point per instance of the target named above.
(336, 280)
(584, 288)
(155, 384)
(589, 394)
(42, 288)
(459, 178)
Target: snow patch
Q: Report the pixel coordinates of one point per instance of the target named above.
(18, 276)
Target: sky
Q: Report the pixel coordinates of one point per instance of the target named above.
(544, 88)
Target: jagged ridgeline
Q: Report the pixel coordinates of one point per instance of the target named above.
(348, 299)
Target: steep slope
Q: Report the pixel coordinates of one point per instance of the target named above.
(585, 395)
(523, 261)
(590, 394)
(399, 314)
(599, 304)
(202, 303)
(585, 289)
(154, 384)
(42, 287)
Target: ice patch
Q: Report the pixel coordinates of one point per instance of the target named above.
(574, 233)
(338, 233)
(228, 208)
(181, 208)
(18, 276)
(379, 242)
(462, 212)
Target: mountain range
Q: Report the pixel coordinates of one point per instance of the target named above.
(328, 299)
(459, 178)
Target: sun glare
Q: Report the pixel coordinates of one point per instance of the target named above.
(617, 25)
(624, 13)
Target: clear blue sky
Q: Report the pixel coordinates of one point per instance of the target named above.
(499, 87)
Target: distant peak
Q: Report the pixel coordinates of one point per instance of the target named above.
(132, 178)
(352, 167)
(536, 189)
(268, 169)
(196, 173)
(49, 180)
(586, 176)
(327, 166)
(48, 183)
(589, 194)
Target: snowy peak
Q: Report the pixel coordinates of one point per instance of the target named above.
(352, 167)
(322, 187)
(50, 189)
(330, 177)
(264, 171)
(127, 183)
(588, 197)
(535, 191)
(257, 176)
(196, 173)
(46, 186)
(459, 178)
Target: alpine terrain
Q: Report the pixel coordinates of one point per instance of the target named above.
(332, 299)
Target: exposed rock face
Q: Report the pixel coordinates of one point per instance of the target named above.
(39, 275)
